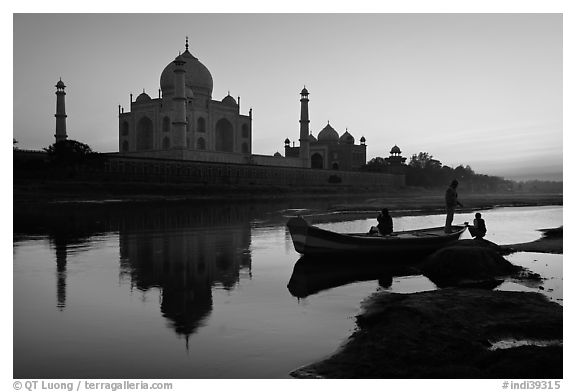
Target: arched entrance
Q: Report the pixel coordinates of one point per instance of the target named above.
(166, 124)
(224, 136)
(317, 161)
(125, 128)
(201, 127)
(144, 134)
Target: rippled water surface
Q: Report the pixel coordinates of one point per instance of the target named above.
(201, 291)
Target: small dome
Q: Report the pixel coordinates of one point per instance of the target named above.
(347, 138)
(143, 98)
(287, 141)
(229, 100)
(328, 134)
(362, 139)
(60, 84)
(277, 155)
(304, 91)
(395, 150)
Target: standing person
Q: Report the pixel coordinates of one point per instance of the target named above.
(385, 225)
(451, 198)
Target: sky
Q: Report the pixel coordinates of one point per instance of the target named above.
(484, 90)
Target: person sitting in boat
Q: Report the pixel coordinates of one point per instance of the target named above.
(385, 225)
(478, 231)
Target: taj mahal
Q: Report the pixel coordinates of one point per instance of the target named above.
(185, 136)
(184, 122)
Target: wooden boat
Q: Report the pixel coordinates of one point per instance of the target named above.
(310, 240)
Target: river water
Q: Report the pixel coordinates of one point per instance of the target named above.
(200, 290)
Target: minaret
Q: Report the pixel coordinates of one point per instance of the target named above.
(304, 128)
(60, 112)
(179, 104)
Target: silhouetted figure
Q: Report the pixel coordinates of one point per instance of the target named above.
(478, 231)
(385, 225)
(451, 198)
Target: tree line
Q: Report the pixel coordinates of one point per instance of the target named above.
(424, 171)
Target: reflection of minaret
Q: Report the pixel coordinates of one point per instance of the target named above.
(60, 112)
(61, 254)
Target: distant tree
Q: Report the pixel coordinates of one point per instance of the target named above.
(459, 173)
(377, 164)
(69, 152)
(540, 186)
(424, 161)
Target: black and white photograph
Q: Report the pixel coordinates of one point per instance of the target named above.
(287, 195)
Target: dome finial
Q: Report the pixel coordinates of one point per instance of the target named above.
(186, 43)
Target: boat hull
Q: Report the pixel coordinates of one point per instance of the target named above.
(310, 240)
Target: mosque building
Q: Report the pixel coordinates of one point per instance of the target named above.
(330, 150)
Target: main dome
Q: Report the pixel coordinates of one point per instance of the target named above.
(328, 134)
(198, 78)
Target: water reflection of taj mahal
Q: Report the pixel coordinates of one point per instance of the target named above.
(183, 251)
(186, 265)
(186, 257)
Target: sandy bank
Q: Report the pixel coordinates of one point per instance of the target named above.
(551, 242)
(450, 333)
(339, 198)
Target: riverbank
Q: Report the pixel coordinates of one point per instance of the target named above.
(399, 201)
(450, 333)
(551, 242)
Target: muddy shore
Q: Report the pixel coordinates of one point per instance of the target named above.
(450, 333)
(550, 242)
(338, 198)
